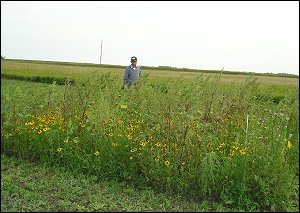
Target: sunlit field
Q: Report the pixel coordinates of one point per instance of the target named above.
(232, 139)
(76, 72)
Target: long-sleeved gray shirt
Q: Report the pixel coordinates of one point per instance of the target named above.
(131, 74)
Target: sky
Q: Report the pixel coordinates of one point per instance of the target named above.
(246, 36)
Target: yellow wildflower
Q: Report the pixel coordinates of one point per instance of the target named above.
(167, 163)
(242, 152)
(143, 143)
(289, 144)
(133, 150)
(209, 145)
(59, 149)
(131, 127)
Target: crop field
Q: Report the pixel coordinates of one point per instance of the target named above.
(232, 139)
(76, 72)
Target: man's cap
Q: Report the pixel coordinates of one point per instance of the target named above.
(133, 58)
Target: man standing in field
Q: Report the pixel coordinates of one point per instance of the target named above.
(132, 72)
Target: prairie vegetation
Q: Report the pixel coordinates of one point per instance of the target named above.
(203, 137)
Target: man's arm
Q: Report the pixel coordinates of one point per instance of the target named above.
(126, 75)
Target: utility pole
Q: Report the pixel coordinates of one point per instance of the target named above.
(101, 51)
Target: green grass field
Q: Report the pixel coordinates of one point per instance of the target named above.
(231, 140)
(76, 72)
(38, 187)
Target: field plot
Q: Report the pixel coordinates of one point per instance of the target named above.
(76, 72)
(200, 136)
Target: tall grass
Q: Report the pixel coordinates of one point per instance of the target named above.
(199, 138)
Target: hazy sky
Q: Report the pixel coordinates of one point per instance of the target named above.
(241, 36)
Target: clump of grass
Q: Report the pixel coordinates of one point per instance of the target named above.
(49, 80)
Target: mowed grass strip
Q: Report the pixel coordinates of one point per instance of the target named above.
(28, 186)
